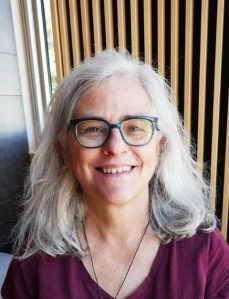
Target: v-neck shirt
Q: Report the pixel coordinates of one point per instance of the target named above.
(196, 267)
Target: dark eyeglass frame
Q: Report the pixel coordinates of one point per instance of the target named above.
(74, 122)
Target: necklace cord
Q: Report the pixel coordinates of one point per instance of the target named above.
(96, 279)
(132, 260)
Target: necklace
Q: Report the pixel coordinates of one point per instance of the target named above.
(92, 263)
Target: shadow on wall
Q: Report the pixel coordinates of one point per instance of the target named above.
(14, 160)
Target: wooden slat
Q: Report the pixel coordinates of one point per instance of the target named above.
(134, 28)
(121, 25)
(74, 19)
(56, 40)
(188, 65)
(161, 36)
(97, 25)
(148, 31)
(109, 24)
(202, 81)
(85, 28)
(65, 34)
(216, 98)
(225, 212)
(174, 47)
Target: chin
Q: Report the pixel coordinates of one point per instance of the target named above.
(118, 198)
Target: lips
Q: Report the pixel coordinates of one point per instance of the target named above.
(113, 170)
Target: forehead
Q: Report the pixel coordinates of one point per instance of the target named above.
(114, 97)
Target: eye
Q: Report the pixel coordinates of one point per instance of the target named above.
(133, 128)
(92, 130)
(137, 127)
(89, 131)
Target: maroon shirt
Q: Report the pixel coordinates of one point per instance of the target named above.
(193, 268)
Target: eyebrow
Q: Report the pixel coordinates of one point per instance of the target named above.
(122, 118)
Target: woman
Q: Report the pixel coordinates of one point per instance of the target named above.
(115, 206)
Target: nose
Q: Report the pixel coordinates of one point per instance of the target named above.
(115, 144)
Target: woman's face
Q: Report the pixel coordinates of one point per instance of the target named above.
(114, 100)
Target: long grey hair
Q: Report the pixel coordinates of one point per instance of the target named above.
(53, 204)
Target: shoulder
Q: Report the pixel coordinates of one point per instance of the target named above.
(206, 246)
(204, 254)
(39, 274)
(205, 258)
(24, 277)
(217, 245)
(42, 262)
(207, 240)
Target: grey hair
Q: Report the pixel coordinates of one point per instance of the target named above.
(54, 207)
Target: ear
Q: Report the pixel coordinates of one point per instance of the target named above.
(162, 143)
(63, 153)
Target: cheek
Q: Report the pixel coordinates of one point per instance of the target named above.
(152, 159)
(152, 162)
(81, 162)
(74, 153)
(76, 159)
(76, 165)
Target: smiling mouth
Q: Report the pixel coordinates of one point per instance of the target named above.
(112, 170)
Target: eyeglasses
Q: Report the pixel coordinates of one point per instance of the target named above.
(94, 132)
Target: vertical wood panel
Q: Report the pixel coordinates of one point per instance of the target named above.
(65, 34)
(202, 81)
(226, 181)
(74, 18)
(109, 24)
(97, 25)
(174, 47)
(161, 36)
(85, 28)
(216, 103)
(134, 28)
(188, 65)
(56, 40)
(121, 25)
(148, 31)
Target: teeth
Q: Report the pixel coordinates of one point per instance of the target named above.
(116, 170)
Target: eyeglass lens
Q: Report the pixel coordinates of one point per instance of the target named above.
(94, 133)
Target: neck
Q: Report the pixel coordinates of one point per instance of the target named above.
(117, 221)
(130, 264)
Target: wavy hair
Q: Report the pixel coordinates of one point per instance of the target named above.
(53, 204)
